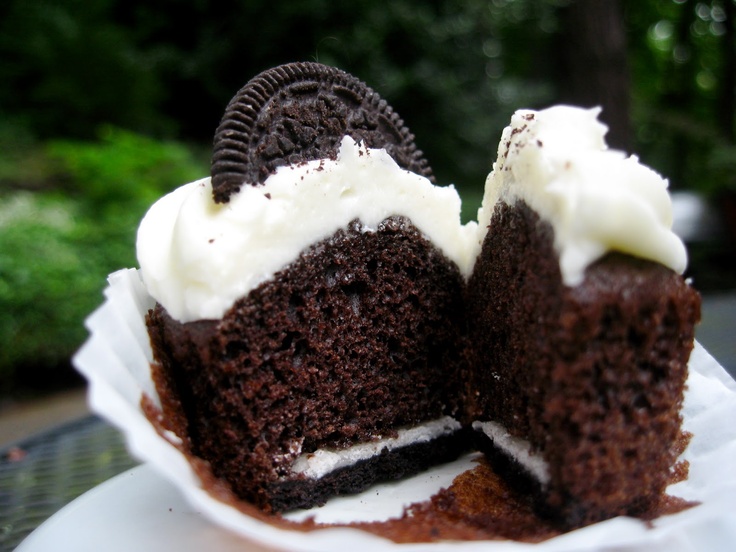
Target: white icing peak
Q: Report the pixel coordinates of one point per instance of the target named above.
(596, 199)
(198, 257)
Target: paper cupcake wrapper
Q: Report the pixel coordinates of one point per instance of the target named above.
(116, 362)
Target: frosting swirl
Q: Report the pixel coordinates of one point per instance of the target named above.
(197, 257)
(596, 199)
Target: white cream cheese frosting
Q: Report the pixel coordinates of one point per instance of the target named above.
(198, 257)
(596, 199)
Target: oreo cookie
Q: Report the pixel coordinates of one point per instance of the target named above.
(300, 112)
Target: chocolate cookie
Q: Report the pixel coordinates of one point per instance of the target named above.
(300, 112)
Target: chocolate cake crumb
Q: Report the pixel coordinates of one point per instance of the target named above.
(371, 331)
(358, 337)
(493, 500)
(592, 376)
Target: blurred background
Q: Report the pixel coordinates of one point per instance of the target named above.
(107, 104)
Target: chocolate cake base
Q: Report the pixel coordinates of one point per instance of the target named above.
(592, 376)
(367, 332)
(361, 336)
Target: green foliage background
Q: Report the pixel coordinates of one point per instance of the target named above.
(58, 244)
(107, 104)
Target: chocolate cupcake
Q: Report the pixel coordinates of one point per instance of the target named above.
(308, 333)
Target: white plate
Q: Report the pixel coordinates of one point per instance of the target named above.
(116, 362)
(137, 510)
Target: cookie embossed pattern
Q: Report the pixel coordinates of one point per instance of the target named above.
(301, 112)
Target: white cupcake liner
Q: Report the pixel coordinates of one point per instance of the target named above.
(116, 362)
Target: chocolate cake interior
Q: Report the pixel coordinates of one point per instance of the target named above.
(352, 352)
(359, 337)
(590, 376)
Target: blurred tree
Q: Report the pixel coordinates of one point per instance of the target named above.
(727, 100)
(681, 55)
(168, 68)
(57, 248)
(595, 62)
(81, 70)
(66, 68)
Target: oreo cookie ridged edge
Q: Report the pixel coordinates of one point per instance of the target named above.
(300, 112)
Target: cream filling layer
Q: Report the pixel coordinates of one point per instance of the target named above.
(315, 465)
(198, 257)
(517, 448)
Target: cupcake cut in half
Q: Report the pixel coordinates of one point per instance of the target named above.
(324, 320)
(310, 311)
(582, 322)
